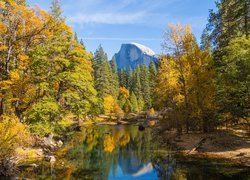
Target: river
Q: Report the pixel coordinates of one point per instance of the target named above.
(124, 152)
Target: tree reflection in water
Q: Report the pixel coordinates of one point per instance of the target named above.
(123, 152)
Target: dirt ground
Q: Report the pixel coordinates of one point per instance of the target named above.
(225, 144)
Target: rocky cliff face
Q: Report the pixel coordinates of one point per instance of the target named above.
(133, 54)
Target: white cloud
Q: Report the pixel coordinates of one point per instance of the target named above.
(108, 18)
(121, 39)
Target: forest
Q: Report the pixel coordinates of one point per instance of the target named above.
(49, 81)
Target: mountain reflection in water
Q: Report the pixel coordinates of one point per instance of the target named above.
(124, 152)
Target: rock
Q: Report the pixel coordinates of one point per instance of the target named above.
(49, 142)
(47, 151)
(39, 152)
(34, 165)
(51, 159)
(59, 143)
(141, 128)
(133, 54)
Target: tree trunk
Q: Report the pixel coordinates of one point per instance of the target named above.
(247, 6)
(1, 106)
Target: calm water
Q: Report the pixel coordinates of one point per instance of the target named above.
(123, 152)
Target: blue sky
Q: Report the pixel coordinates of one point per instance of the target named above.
(113, 22)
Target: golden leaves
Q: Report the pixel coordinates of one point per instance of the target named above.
(109, 143)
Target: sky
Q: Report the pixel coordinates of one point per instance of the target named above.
(114, 22)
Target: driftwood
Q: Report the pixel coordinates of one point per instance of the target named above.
(198, 145)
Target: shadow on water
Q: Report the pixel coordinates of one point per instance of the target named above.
(124, 152)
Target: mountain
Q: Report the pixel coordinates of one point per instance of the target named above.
(133, 54)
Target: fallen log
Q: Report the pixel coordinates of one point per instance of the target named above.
(197, 146)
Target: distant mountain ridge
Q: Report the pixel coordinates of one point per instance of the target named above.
(133, 54)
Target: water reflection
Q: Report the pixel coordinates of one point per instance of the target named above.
(123, 152)
(113, 151)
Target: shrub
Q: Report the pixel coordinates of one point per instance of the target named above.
(12, 134)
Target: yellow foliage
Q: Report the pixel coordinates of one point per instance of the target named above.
(151, 111)
(111, 106)
(185, 80)
(109, 144)
(12, 134)
(124, 92)
(125, 139)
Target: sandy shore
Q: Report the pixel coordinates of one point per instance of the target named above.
(220, 144)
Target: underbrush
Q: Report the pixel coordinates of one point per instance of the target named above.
(13, 134)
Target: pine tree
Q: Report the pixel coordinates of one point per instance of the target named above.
(123, 78)
(206, 43)
(76, 37)
(146, 89)
(105, 79)
(229, 21)
(56, 11)
(115, 78)
(134, 103)
(102, 73)
(83, 45)
(130, 79)
(114, 66)
(137, 87)
(153, 78)
(227, 25)
(233, 83)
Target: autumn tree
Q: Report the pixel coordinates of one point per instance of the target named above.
(22, 29)
(45, 72)
(185, 82)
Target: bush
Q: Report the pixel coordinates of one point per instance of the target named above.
(12, 134)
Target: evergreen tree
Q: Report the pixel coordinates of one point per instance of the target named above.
(83, 45)
(233, 84)
(229, 21)
(123, 78)
(130, 79)
(153, 77)
(102, 73)
(227, 27)
(145, 83)
(114, 66)
(206, 43)
(56, 11)
(115, 78)
(76, 37)
(106, 82)
(134, 103)
(137, 87)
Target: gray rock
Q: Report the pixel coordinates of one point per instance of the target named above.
(59, 143)
(50, 159)
(133, 54)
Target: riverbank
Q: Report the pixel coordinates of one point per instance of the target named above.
(222, 144)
